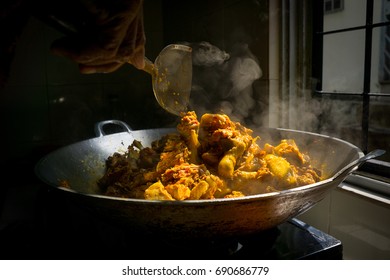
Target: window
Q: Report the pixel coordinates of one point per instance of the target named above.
(332, 6)
(385, 45)
(351, 67)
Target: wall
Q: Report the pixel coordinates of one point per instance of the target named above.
(361, 223)
(48, 103)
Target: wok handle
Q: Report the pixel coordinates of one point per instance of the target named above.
(99, 126)
(344, 172)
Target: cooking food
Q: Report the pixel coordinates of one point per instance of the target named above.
(82, 164)
(211, 158)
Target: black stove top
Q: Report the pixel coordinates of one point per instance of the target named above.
(39, 223)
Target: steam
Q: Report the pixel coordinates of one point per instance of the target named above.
(321, 114)
(223, 82)
(205, 54)
(230, 83)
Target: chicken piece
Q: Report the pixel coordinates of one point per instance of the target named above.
(223, 187)
(212, 130)
(211, 122)
(182, 171)
(189, 129)
(278, 166)
(253, 157)
(148, 158)
(199, 190)
(228, 162)
(285, 175)
(299, 172)
(181, 179)
(230, 140)
(234, 194)
(289, 150)
(211, 157)
(215, 183)
(178, 191)
(307, 176)
(157, 191)
(250, 175)
(119, 170)
(175, 153)
(251, 182)
(190, 181)
(239, 144)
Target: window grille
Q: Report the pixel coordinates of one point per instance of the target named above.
(365, 96)
(385, 46)
(332, 6)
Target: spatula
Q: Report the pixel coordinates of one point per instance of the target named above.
(172, 77)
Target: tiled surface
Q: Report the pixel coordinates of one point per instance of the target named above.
(29, 64)
(25, 118)
(361, 224)
(73, 111)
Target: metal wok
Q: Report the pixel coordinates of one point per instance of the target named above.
(83, 163)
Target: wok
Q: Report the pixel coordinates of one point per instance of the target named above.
(83, 163)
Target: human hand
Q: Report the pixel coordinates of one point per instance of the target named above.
(112, 34)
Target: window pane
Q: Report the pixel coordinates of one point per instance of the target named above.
(380, 60)
(381, 10)
(379, 125)
(343, 61)
(341, 117)
(353, 14)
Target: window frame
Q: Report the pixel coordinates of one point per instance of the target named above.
(373, 169)
(333, 9)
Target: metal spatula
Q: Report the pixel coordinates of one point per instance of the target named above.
(172, 77)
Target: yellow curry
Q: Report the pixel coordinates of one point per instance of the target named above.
(211, 158)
